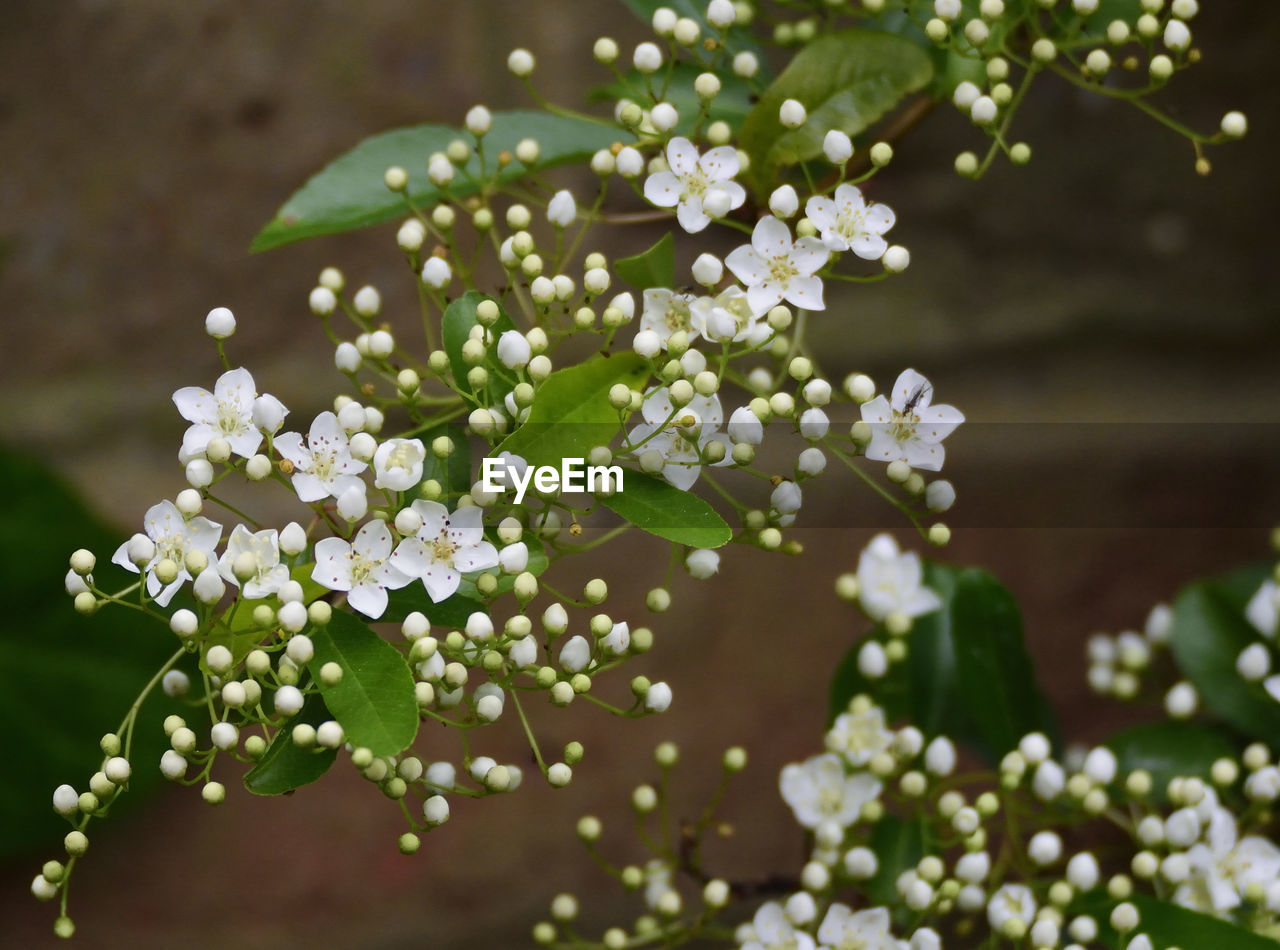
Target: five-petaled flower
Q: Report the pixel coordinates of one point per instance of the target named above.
(773, 931)
(366, 568)
(324, 466)
(692, 180)
(909, 428)
(397, 464)
(847, 223)
(679, 436)
(774, 269)
(890, 581)
(173, 537)
(448, 545)
(226, 413)
(820, 790)
(261, 551)
(865, 930)
(667, 312)
(728, 317)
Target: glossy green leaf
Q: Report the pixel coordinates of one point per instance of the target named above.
(967, 674)
(1168, 925)
(571, 414)
(657, 507)
(284, 766)
(67, 678)
(730, 105)
(459, 318)
(899, 844)
(740, 39)
(845, 81)
(1170, 749)
(1209, 631)
(349, 192)
(656, 267)
(374, 701)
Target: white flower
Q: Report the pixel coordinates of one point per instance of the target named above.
(819, 790)
(691, 179)
(324, 466)
(865, 930)
(667, 312)
(1012, 901)
(848, 223)
(909, 428)
(859, 736)
(775, 269)
(226, 413)
(728, 317)
(366, 568)
(1263, 609)
(449, 545)
(892, 582)
(1223, 868)
(773, 931)
(562, 209)
(397, 464)
(261, 550)
(679, 440)
(172, 537)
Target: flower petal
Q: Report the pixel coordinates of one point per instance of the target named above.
(682, 156)
(691, 216)
(805, 292)
(771, 238)
(663, 189)
(908, 384)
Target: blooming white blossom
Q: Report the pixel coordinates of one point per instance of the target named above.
(260, 550)
(1011, 901)
(890, 581)
(858, 736)
(909, 427)
(324, 466)
(366, 568)
(1223, 866)
(819, 790)
(448, 545)
(226, 413)
(773, 931)
(171, 538)
(679, 436)
(776, 269)
(692, 179)
(848, 223)
(397, 464)
(864, 930)
(666, 312)
(728, 316)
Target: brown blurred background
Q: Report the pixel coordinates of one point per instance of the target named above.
(1106, 319)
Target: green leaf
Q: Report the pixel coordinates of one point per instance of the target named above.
(349, 192)
(571, 413)
(1209, 631)
(657, 507)
(459, 318)
(284, 766)
(899, 844)
(67, 678)
(1168, 925)
(374, 701)
(739, 39)
(730, 105)
(1169, 749)
(967, 674)
(656, 267)
(845, 81)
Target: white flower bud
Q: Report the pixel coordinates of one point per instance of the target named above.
(436, 810)
(1254, 662)
(658, 698)
(811, 461)
(575, 654)
(837, 146)
(1181, 700)
(436, 272)
(1234, 125)
(786, 498)
(220, 323)
(520, 62)
(199, 473)
(208, 586)
(1045, 847)
(873, 662)
(814, 424)
(514, 349)
(946, 9)
(478, 120)
(746, 64)
(896, 259)
(1176, 35)
(514, 558)
(1049, 780)
(784, 202)
(702, 563)
(647, 57)
(721, 13)
(792, 113)
(562, 209)
(940, 756)
(707, 270)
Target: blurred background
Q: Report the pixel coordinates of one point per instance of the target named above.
(1105, 318)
